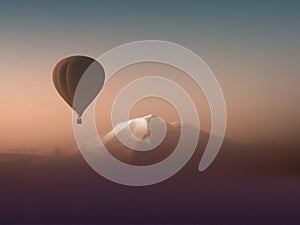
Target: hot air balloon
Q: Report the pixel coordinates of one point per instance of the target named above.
(66, 77)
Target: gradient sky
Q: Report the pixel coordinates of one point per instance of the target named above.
(253, 48)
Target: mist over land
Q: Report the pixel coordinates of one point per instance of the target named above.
(244, 181)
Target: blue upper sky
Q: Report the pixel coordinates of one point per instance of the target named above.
(252, 47)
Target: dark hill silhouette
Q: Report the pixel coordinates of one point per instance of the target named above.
(248, 184)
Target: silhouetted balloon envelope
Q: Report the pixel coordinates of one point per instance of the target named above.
(66, 77)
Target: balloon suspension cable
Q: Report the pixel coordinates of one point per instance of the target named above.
(79, 120)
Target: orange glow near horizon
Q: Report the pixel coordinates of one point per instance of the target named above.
(34, 116)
